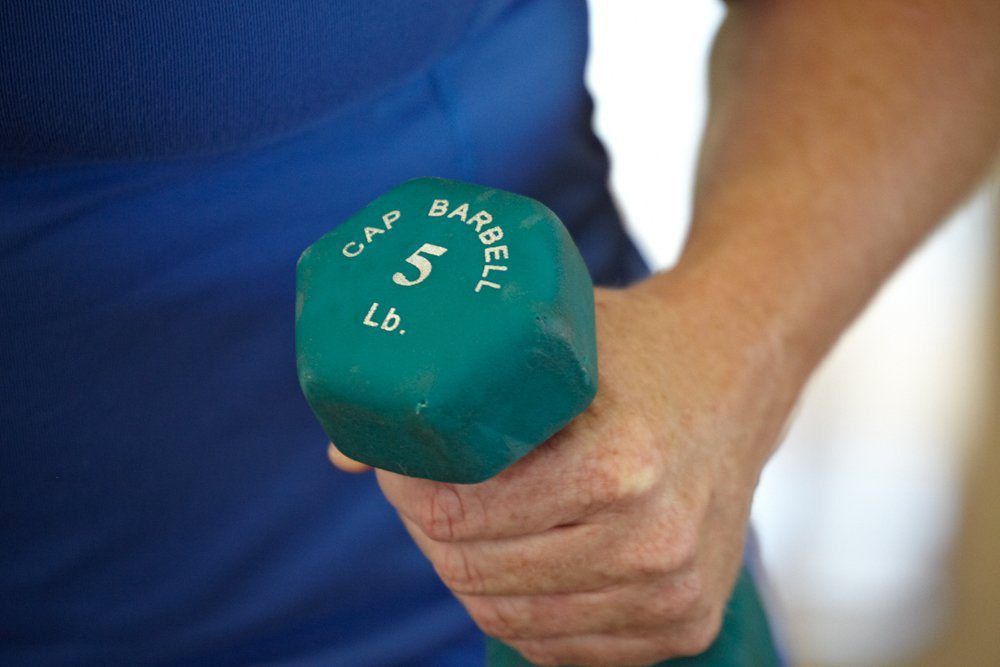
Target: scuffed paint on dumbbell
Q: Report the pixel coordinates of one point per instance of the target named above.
(445, 330)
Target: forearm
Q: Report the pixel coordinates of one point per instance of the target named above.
(839, 135)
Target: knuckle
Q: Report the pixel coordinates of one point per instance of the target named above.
(616, 476)
(681, 544)
(596, 489)
(679, 599)
(645, 560)
(640, 469)
(639, 562)
(442, 513)
(459, 572)
(661, 552)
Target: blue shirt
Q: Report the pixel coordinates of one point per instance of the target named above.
(164, 491)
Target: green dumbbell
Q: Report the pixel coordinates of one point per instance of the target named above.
(447, 329)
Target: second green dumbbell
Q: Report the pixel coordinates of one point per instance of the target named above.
(446, 330)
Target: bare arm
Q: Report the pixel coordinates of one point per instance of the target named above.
(839, 135)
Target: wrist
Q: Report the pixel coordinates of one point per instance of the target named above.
(780, 290)
(748, 312)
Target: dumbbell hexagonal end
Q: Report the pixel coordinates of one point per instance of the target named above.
(445, 330)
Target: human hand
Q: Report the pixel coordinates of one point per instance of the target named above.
(619, 539)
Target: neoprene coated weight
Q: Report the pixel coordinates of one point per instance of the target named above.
(447, 329)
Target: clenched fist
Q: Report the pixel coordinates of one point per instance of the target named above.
(619, 539)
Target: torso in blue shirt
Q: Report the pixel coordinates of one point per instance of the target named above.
(164, 492)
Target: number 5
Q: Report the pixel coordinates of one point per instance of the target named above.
(422, 263)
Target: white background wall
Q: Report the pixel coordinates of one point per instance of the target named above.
(857, 509)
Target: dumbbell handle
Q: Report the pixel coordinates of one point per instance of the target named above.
(744, 641)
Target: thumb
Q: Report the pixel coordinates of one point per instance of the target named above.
(338, 459)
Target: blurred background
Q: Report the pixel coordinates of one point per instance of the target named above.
(879, 517)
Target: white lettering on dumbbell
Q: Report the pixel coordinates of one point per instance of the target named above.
(422, 263)
(368, 318)
(490, 254)
(389, 323)
(492, 267)
(391, 320)
(355, 248)
(491, 235)
(480, 220)
(460, 212)
(438, 208)
(486, 283)
(496, 251)
(441, 208)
